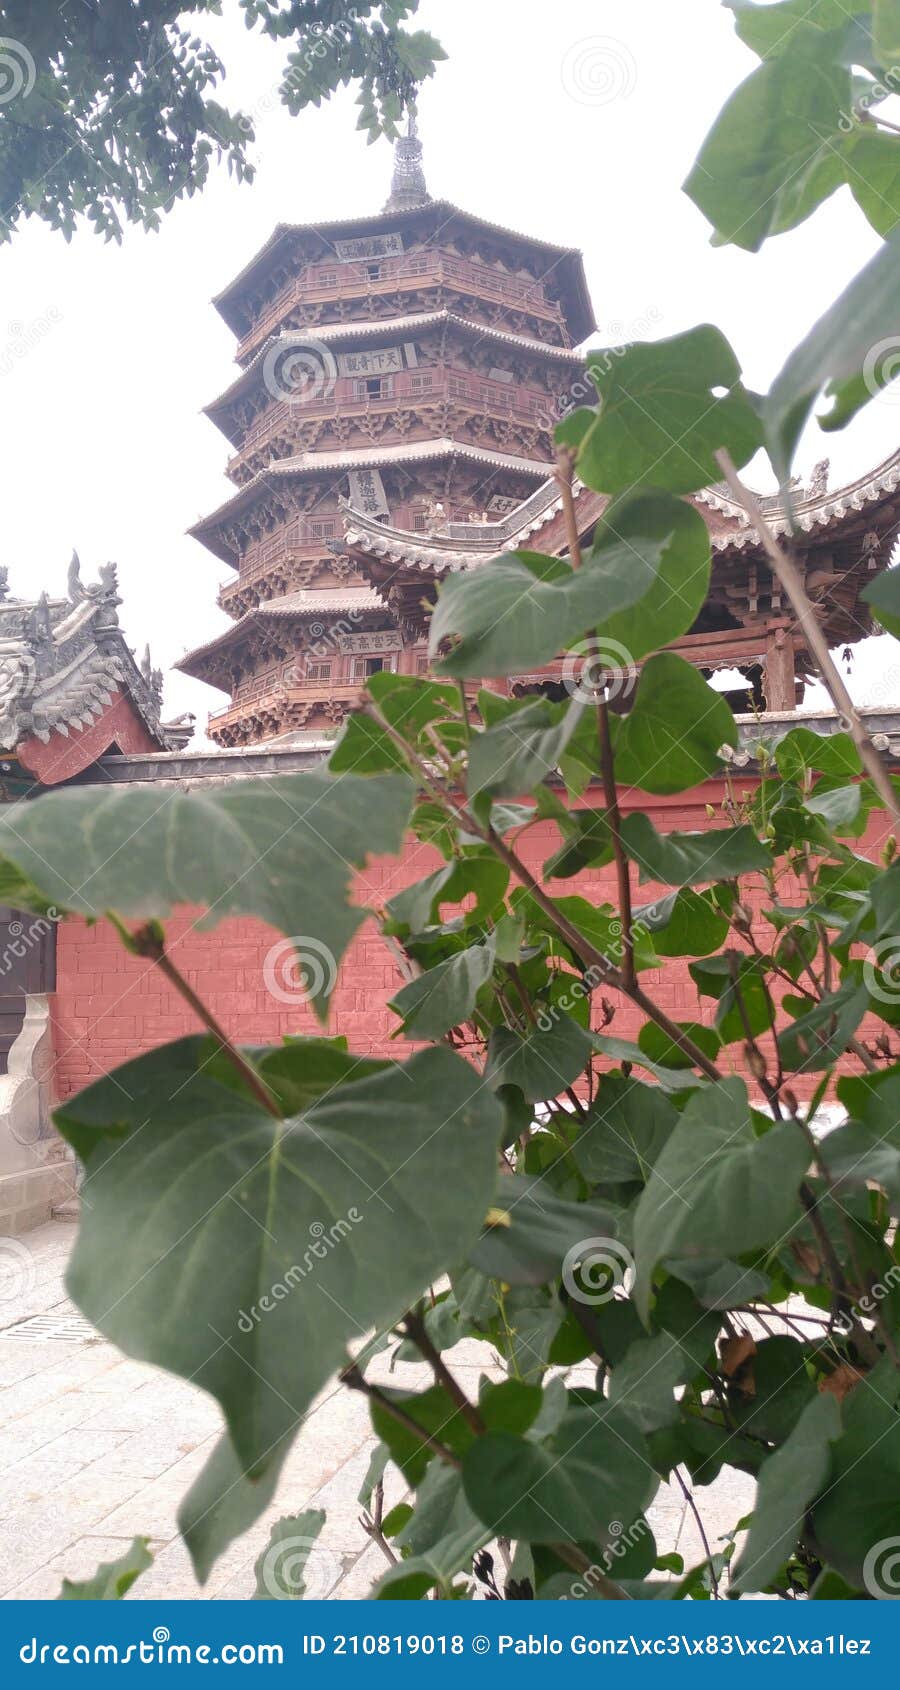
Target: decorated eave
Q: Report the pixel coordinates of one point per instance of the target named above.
(862, 518)
(306, 608)
(436, 218)
(338, 464)
(339, 335)
(70, 688)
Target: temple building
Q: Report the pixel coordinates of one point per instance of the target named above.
(400, 378)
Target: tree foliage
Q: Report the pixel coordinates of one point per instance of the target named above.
(657, 1213)
(109, 108)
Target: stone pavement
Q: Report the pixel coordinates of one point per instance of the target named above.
(96, 1449)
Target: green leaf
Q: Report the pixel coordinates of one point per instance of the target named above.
(676, 589)
(883, 594)
(365, 748)
(537, 1229)
(113, 1579)
(444, 997)
(541, 1064)
(587, 843)
(625, 1050)
(855, 1521)
(626, 1128)
(686, 923)
(661, 1050)
(775, 127)
(771, 29)
(715, 1189)
(802, 751)
(591, 1476)
(790, 1481)
(673, 735)
(872, 167)
(478, 873)
(291, 1565)
(690, 859)
(282, 1238)
(818, 1038)
(513, 757)
(738, 982)
(644, 1383)
(443, 1530)
(435, 1412)
(850, 353)
(282, 850)
(662, 417)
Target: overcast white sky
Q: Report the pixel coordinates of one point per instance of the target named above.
(576, 121)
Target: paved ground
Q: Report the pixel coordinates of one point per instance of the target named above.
(95, 1449)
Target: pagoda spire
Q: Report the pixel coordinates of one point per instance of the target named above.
(408, 181)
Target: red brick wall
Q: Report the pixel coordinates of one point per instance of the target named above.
(110, 1006)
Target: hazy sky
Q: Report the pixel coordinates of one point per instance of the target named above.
(576, 121)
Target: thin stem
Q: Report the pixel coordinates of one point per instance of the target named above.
(688, 1495)
(147, 941)
(786, 571)
(373, 1524)
(415, 1329)
(354, 1380)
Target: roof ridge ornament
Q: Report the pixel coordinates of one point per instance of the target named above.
(408, 188)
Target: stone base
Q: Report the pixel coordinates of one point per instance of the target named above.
(27, 1199)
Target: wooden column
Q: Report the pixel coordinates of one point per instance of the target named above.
(779, 676)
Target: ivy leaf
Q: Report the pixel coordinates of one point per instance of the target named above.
(689, 859)
(282, 850)
(663, 415)
(790, 1480)
(517, 754)
(537, 1228)
(686, 923)
(802, 751)
(716, 1189)
(775, 126)
(542, 1063)
(113, 1579)
(591, 1476)
(281, 1568)
(282, 1238)
(673, 735)
(850, 353)
(479, 874)
(444, 996)
(624, 1132)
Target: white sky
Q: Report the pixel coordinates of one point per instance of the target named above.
(575, 121)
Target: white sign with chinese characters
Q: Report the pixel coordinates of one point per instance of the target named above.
(387, 640)
(369, 246)
(367, 492)
(377, 361)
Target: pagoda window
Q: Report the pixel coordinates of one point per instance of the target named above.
(373, 272)
(318, 671)
(371, 666)
(375, 387)
(420, 522)
(457, 388)
(420, 381)
(328, 278)
(321, 530)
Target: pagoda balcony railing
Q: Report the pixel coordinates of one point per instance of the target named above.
(286, 545)
(323, 284)
(276, 697)
(489, 396)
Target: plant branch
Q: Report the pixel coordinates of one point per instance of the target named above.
(354, 1380)
(147, 941)
(415, 1329)
(786, 571)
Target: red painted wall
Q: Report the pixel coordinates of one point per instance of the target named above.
(110, 1006)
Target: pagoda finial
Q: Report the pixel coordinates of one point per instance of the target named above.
(408, 181)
